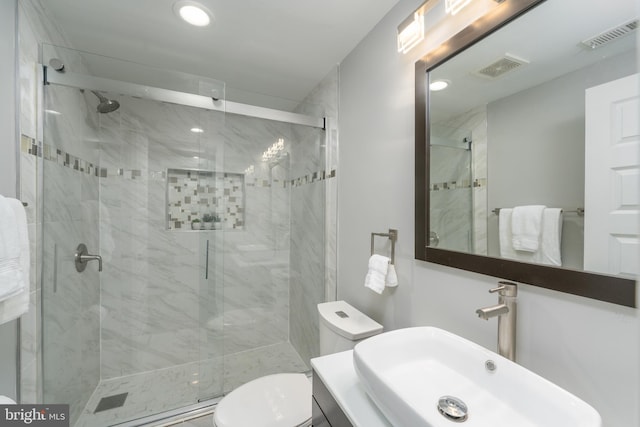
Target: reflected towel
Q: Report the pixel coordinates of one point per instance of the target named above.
(551, 239)
(526, 227)
(549, 249)
(14, 260)
(377, 274)
(506, 237)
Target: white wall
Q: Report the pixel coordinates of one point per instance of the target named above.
(8, 148)
(8, 143)
(588, 347)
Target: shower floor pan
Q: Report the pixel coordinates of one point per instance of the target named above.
(155, 392)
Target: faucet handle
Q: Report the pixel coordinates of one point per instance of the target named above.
(506, 289)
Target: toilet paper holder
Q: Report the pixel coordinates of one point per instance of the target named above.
(391, 235)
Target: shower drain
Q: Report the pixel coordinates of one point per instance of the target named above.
(453, 409)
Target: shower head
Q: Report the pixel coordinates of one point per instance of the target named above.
(106, 105)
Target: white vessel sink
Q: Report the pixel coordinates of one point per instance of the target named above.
(407, 372)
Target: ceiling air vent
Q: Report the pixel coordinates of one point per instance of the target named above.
(611, 35)
(502, 66)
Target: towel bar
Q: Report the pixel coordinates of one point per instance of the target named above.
(579, 211)
(393, 236)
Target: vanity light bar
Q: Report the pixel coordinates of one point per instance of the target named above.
(411, 30)
(454, 6)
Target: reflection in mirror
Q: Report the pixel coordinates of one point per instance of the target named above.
(540, 121)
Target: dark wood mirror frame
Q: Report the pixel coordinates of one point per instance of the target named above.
(611, 289)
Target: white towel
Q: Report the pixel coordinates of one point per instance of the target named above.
(526, 227)
(550, 241)
(392, 277)
(506, 237)
(14, 307)
(14, 260)
(377, 274)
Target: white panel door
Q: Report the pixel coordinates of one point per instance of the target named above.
(612, 176)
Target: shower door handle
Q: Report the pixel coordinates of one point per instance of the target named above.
(83, 256)
(206, 262)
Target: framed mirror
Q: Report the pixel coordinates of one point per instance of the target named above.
(527, 164)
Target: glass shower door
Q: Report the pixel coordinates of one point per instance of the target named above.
(70, 300)
(129, 181)
(451, 186)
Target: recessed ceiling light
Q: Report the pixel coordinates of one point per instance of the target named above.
(192, 12)
(197, 130)
(196, 157)
(438, 85)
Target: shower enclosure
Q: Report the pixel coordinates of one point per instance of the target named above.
(209, 222)
(451, 188)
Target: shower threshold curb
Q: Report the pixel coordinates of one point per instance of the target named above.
(174, 416)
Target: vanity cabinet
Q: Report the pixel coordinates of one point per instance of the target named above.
(326, 411)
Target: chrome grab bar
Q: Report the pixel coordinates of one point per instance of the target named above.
(83, 256)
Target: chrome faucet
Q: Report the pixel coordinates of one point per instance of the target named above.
(505, 310)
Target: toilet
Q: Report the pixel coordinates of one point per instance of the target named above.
(284, 400)
(4, 400)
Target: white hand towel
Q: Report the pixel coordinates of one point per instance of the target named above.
(11, 282)
(506, 237)
(14, 307)
(392, 277)
(14, 260)
(23, 232)
(551, 239)
(377, 274)
(526, 227)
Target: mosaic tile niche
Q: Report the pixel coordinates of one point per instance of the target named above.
(192, 194)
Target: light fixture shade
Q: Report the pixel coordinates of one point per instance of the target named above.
(438, 85)
(411, 32)
(192, 12)
(454, 6)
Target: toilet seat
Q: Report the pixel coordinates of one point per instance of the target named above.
(280, 400)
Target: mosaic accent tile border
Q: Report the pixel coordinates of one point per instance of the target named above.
(48, 152)
(29, 145)
(192, 194)
(456, 185)
(293, 183)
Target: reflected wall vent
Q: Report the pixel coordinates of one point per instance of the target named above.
(612, 34)
(502, 66)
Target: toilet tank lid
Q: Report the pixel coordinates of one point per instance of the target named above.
(347, 321)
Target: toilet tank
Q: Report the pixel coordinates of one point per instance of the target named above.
(342, 327)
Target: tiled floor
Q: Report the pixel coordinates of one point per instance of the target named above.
(206, 421)
(154, 392)
(202, 421)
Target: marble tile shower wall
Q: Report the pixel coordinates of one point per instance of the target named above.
(153, 283)
(71, 307)
(148, 312)
(256, 260)
(313, 219)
